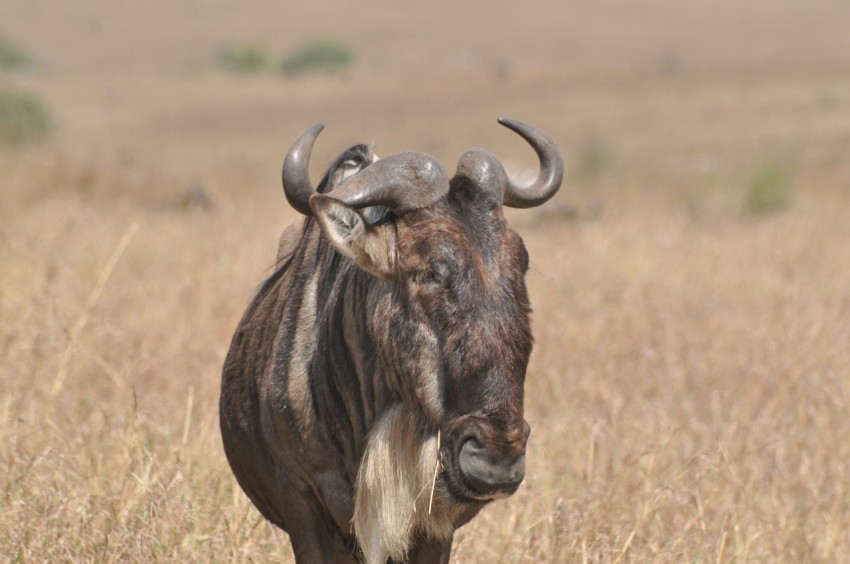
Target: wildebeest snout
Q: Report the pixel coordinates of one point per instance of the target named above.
(492, 463)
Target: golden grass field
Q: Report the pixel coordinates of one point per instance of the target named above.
(689, 393)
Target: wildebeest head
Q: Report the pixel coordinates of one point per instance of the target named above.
(451, 315)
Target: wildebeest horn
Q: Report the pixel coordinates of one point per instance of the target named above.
(296, 174)
(401, 182)
(483, 168)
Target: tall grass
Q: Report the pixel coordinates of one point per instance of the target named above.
(688, 392)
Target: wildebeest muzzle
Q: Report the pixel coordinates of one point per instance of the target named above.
(488, 455)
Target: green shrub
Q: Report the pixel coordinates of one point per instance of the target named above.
(594, 159)
(769, 189)
(244, 60)
(24, 119)
(318, 56)
(11, 56)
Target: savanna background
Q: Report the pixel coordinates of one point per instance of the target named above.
(689, 392)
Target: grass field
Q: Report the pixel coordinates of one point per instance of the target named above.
(689, 393)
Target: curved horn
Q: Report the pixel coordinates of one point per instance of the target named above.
(483, 168)
(402, 182)
(551, 168)
(296, 175)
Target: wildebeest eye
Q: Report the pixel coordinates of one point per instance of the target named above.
(438, 274)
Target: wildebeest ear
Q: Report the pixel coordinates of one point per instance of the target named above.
(372, 248)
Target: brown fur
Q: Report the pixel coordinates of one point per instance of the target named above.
(367, 342)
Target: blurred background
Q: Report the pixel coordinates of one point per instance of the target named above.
(690, 387)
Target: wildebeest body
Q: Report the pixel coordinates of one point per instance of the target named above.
(372, 396)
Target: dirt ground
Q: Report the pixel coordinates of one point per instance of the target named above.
(689, 392)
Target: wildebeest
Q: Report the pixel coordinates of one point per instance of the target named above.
(372, 398)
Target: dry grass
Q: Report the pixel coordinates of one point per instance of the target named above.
(689, 393)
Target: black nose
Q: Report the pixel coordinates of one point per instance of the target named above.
(488, 471)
